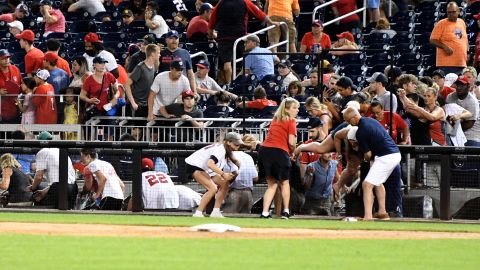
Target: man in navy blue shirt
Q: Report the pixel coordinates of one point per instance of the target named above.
(375, 143)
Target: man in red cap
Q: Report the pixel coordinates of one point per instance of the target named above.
(187, 110)
(94, 48)
(8, 74)
(58, 77)
(34, 56)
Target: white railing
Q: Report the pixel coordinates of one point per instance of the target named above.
(362, 9)
(171, 130)
(244, 38)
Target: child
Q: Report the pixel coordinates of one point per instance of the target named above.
(71, 110)
(26, 105)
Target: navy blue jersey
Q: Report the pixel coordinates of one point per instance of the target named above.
(371, 136)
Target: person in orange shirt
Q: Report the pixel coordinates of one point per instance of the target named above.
(274, 156)
(34, 56)
(316, 40)
(53, 46)
(283, 11)
(450, 37)
(44, 99)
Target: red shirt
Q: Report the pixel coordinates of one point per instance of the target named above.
(46, 107)
(63, 64)
(345, 7)
(8, 17)
(398, 123)
(196, 25)
(309, 157)
(308, 41)
(260, 104)
(9, 109)
(33, 60)
(278, 133)
(92, 88)
(445, 91)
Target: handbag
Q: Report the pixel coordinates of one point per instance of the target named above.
(92, 110)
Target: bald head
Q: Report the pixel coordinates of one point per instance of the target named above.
(351, 116)
(452, 11)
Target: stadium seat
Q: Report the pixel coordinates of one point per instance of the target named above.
(114, 37)
(137, 26)
(378, 59)
(401, 48)
(409, 59)
(109, 27)
(84, 26)
(402, 37)
(375, 38)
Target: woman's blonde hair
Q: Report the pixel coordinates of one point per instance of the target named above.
(383, 23)
(287, 103)
(7, 160)
(315, 104)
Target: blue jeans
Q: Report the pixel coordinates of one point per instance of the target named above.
(472, 143)
(456, 70)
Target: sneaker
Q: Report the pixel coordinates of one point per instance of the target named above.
(381, 216)
(198, 215)
(262, 216)
(216, 214)
(285, 215)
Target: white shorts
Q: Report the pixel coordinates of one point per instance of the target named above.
(381, 168)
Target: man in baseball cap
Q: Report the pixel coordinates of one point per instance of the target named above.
(21, 11)
(177, 65)
(438, 77)
(34, 56)
(15, 27)
(127, 17)
(187, 110)
(197, 29)
(203, 64)
(140, 56)
(378, 82)
(93, 48)
(10, 82)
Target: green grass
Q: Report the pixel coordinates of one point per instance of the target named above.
(58, 252)
(242, 222)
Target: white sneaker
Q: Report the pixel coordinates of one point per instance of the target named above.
(200, 215)
(216, 214)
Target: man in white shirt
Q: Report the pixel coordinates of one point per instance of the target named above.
(47, 160)
(109, 187)
(166, 88)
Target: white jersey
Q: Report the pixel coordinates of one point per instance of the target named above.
(109, 66)
(201, 157)
(158, 191)
(112, 184)
(187, 197)
(47, 160)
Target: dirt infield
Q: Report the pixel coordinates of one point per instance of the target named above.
(184, 232)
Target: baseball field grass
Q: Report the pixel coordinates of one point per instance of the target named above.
(51, 251)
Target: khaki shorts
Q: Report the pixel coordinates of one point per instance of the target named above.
(275, 34)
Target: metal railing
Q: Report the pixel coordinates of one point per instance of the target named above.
(244, 38)
(362, 9)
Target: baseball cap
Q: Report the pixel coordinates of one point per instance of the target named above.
(476, 17)
(204, 7)
(99, 60)
(378, 77)
(253, 38)
(352, 133)
(44, 136)
(187, 93)
(45, 3)
(352, 104)
(24, 8)
(203, 64)
(43, 74)
(439, 73)
(314, 122)
(346, 35)
(92, 37)
(16, 24)
(345, 82)
(50, 57)
(285, 63)
(462, 79)
(172, 33)
(148, 39)
(147, 163)
(27, 35)
(450, 79)
(4, 54)
(471, 70)
(317, 23)
(177, 64)
(127, 13)
(234, 137)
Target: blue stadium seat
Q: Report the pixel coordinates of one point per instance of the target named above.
(114, 37)
(375, 38)
(402, 37)
(136, 27)
(109, 27)
(75, 48)
(378, 59)
(401, 48)
(84, 26)
(409, 59)
(17, 57)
